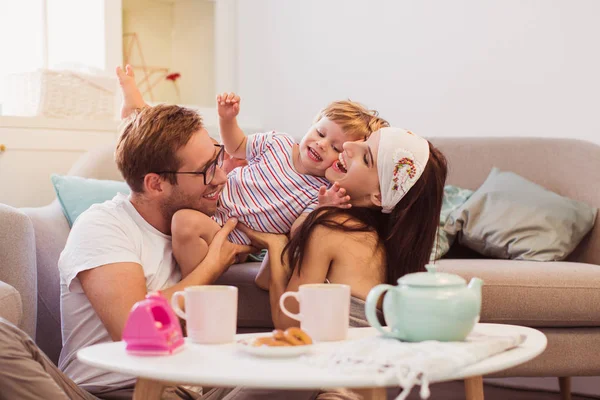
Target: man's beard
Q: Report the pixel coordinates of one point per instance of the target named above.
(177, 201)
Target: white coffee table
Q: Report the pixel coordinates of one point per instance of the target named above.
(226, 366)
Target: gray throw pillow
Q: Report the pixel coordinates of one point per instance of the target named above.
(454, 197)
(513, 218)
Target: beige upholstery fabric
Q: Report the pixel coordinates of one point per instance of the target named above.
(17, 262)
(254, 310)
(98, 164)
(558, 294)
(11, 307)
(536, 159)
(509, 217)
(51, 231)
(570, 352)
(536, 294)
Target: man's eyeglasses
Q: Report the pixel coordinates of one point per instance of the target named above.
(209, 171)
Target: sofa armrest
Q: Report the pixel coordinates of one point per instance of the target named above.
(18, 262)
(11, 308)
(51, 232)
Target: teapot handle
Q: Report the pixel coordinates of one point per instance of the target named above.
(371, 306)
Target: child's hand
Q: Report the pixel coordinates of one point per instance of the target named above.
(334, 196)
(132, 98)
(228, 105)
(263, 240)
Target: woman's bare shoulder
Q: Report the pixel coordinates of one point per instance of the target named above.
(328, 235)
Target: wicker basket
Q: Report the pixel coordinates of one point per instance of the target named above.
(62, 94)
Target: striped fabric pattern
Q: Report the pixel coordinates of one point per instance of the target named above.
(267, 195)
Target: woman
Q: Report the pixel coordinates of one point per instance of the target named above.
(395, 180)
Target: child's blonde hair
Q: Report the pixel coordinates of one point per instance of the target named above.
(354, 118)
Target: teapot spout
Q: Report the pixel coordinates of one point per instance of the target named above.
(475, 285)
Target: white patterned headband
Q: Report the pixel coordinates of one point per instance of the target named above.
(401, 159)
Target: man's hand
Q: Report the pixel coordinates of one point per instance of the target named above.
(228, 105)
(334, 196)
(221, 252)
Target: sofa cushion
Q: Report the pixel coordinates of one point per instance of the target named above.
(254, 310)
(512, 217)
(536, 159)
(18, 262)
(51, 231)
(454, 197)
(10, 304)
(570, 352)
(77, 194)
(535, 294)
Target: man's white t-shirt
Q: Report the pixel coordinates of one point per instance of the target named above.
(111, 232)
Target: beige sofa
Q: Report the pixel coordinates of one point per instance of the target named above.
(559, 298)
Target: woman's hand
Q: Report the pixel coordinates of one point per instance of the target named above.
(262, 240)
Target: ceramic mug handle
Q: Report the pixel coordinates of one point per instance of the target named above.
(284, 296)
(175, 304)
(371, 306)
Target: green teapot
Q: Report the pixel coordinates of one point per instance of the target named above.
(427, 306)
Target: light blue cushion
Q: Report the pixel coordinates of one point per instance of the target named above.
(77, 194)
(454, 197)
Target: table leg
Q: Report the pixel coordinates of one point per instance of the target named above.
(474, 388)
(371, 393)
(146, 389)
(565, 387)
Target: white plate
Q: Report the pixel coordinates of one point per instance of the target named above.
(272, 351)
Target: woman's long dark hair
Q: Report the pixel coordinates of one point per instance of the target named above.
(407, 233)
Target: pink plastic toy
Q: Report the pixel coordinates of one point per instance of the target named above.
(152, 328)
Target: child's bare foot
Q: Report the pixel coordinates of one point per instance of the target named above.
(132, 98)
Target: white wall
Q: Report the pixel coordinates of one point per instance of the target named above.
(153, 24)
(441, 68)
(193, 51)
(85, 33)
(14, 59)
(178, 35)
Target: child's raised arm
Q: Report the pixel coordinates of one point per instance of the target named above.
(234, 139)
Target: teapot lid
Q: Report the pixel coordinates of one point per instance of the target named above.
(432, 278)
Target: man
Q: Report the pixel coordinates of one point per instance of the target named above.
(120, 250)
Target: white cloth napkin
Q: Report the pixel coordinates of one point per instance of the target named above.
(412, 363)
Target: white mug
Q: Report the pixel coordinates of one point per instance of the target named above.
(324, 310)
(210, 312)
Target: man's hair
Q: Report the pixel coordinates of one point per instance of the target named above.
(355, 119)
(149, 142)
